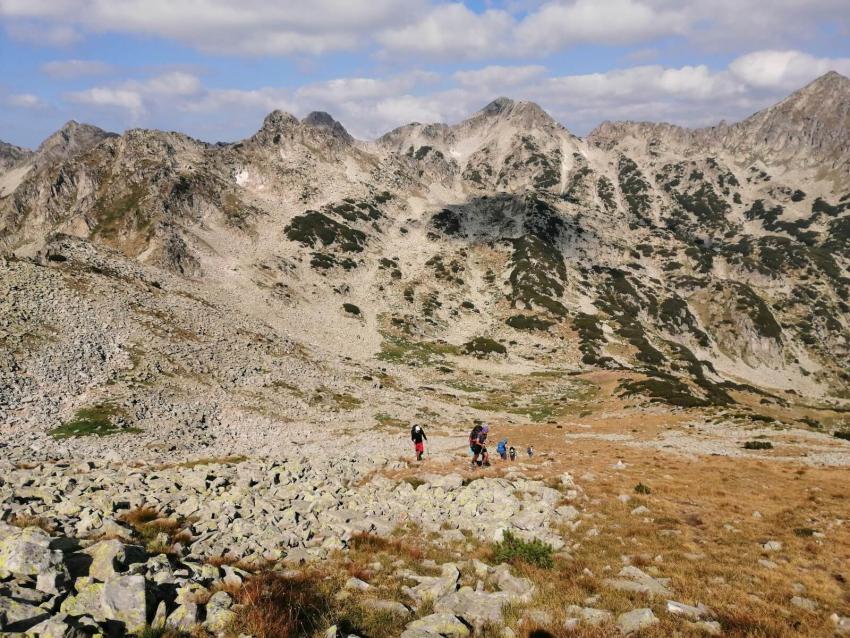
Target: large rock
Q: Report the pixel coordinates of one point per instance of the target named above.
(111, 557)
(56, 627)
(635, 620)
(434, 588)
(389, 606)
(475, 607)
(520, 590)
(633, 579)
(590, 615)
(17, 616)
(27, 552)
(439, 624)
(122, 599)
(219, 614)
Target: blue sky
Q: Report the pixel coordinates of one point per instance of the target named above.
(213, 69)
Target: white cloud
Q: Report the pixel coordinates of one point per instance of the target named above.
(347, 89)
(498, 76)
(71, 69)
(25, 101)
(131, 101)
(173, 83)
(557, 25)
(137, 96)
(249, 27)
(452, 31)
(785, 70)
(507, 30)
(54, 35)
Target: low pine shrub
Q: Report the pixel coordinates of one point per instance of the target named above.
(513, 549)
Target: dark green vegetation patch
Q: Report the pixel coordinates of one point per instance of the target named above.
(97, 420)
(447, 221)
(528, 322)
(313, 226)
(635, 189)
(758, 445)
(483, 346)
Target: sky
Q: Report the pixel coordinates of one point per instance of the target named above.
(214, 69)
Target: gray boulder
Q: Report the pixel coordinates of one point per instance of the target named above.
(439, 624)
(122, 599)
(475, 607)
(635, 620)
(111, 557)
(28, 552)
(633, 579)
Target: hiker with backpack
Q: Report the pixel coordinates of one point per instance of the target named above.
(502, 449)
(417, 435)
(477, 441)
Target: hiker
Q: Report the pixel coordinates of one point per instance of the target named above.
(512, 453)
(502, 449)
(417, 435)
(473, 438)
(530, 451)
(477, 440)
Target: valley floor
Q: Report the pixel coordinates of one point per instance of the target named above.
(660, 523)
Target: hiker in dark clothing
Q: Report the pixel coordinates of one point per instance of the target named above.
(512, 453)
(417, 435)
(477, 440)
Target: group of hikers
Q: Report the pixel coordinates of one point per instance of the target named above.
(477, 445)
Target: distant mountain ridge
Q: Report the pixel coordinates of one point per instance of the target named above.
(704, 262)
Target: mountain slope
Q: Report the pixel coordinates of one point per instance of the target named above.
(699, 266)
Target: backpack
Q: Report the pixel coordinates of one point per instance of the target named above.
(473, 436)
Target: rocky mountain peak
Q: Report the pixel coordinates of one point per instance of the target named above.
(278, 120)
(70, 140)
(498, 106)
(521, 114)
(11, 155)
(324, 121)
(810, 126)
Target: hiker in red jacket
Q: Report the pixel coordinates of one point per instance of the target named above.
(417, 435)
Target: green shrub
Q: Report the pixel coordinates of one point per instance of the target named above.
(482, 346)
(640, 488)
(842, 434)
(351, 309)
(513, 549)
(528, 322)
(758, 445)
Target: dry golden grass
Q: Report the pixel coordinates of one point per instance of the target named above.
(701, 532)
(365, 542)
(25, 520)
(159, 534)
(275, 606)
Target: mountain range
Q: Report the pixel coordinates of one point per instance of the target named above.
(174, 277)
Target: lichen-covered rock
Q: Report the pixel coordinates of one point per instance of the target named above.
(111, 557)
(122, 599)
(474, 607)
(635, 620)
(439, 624)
